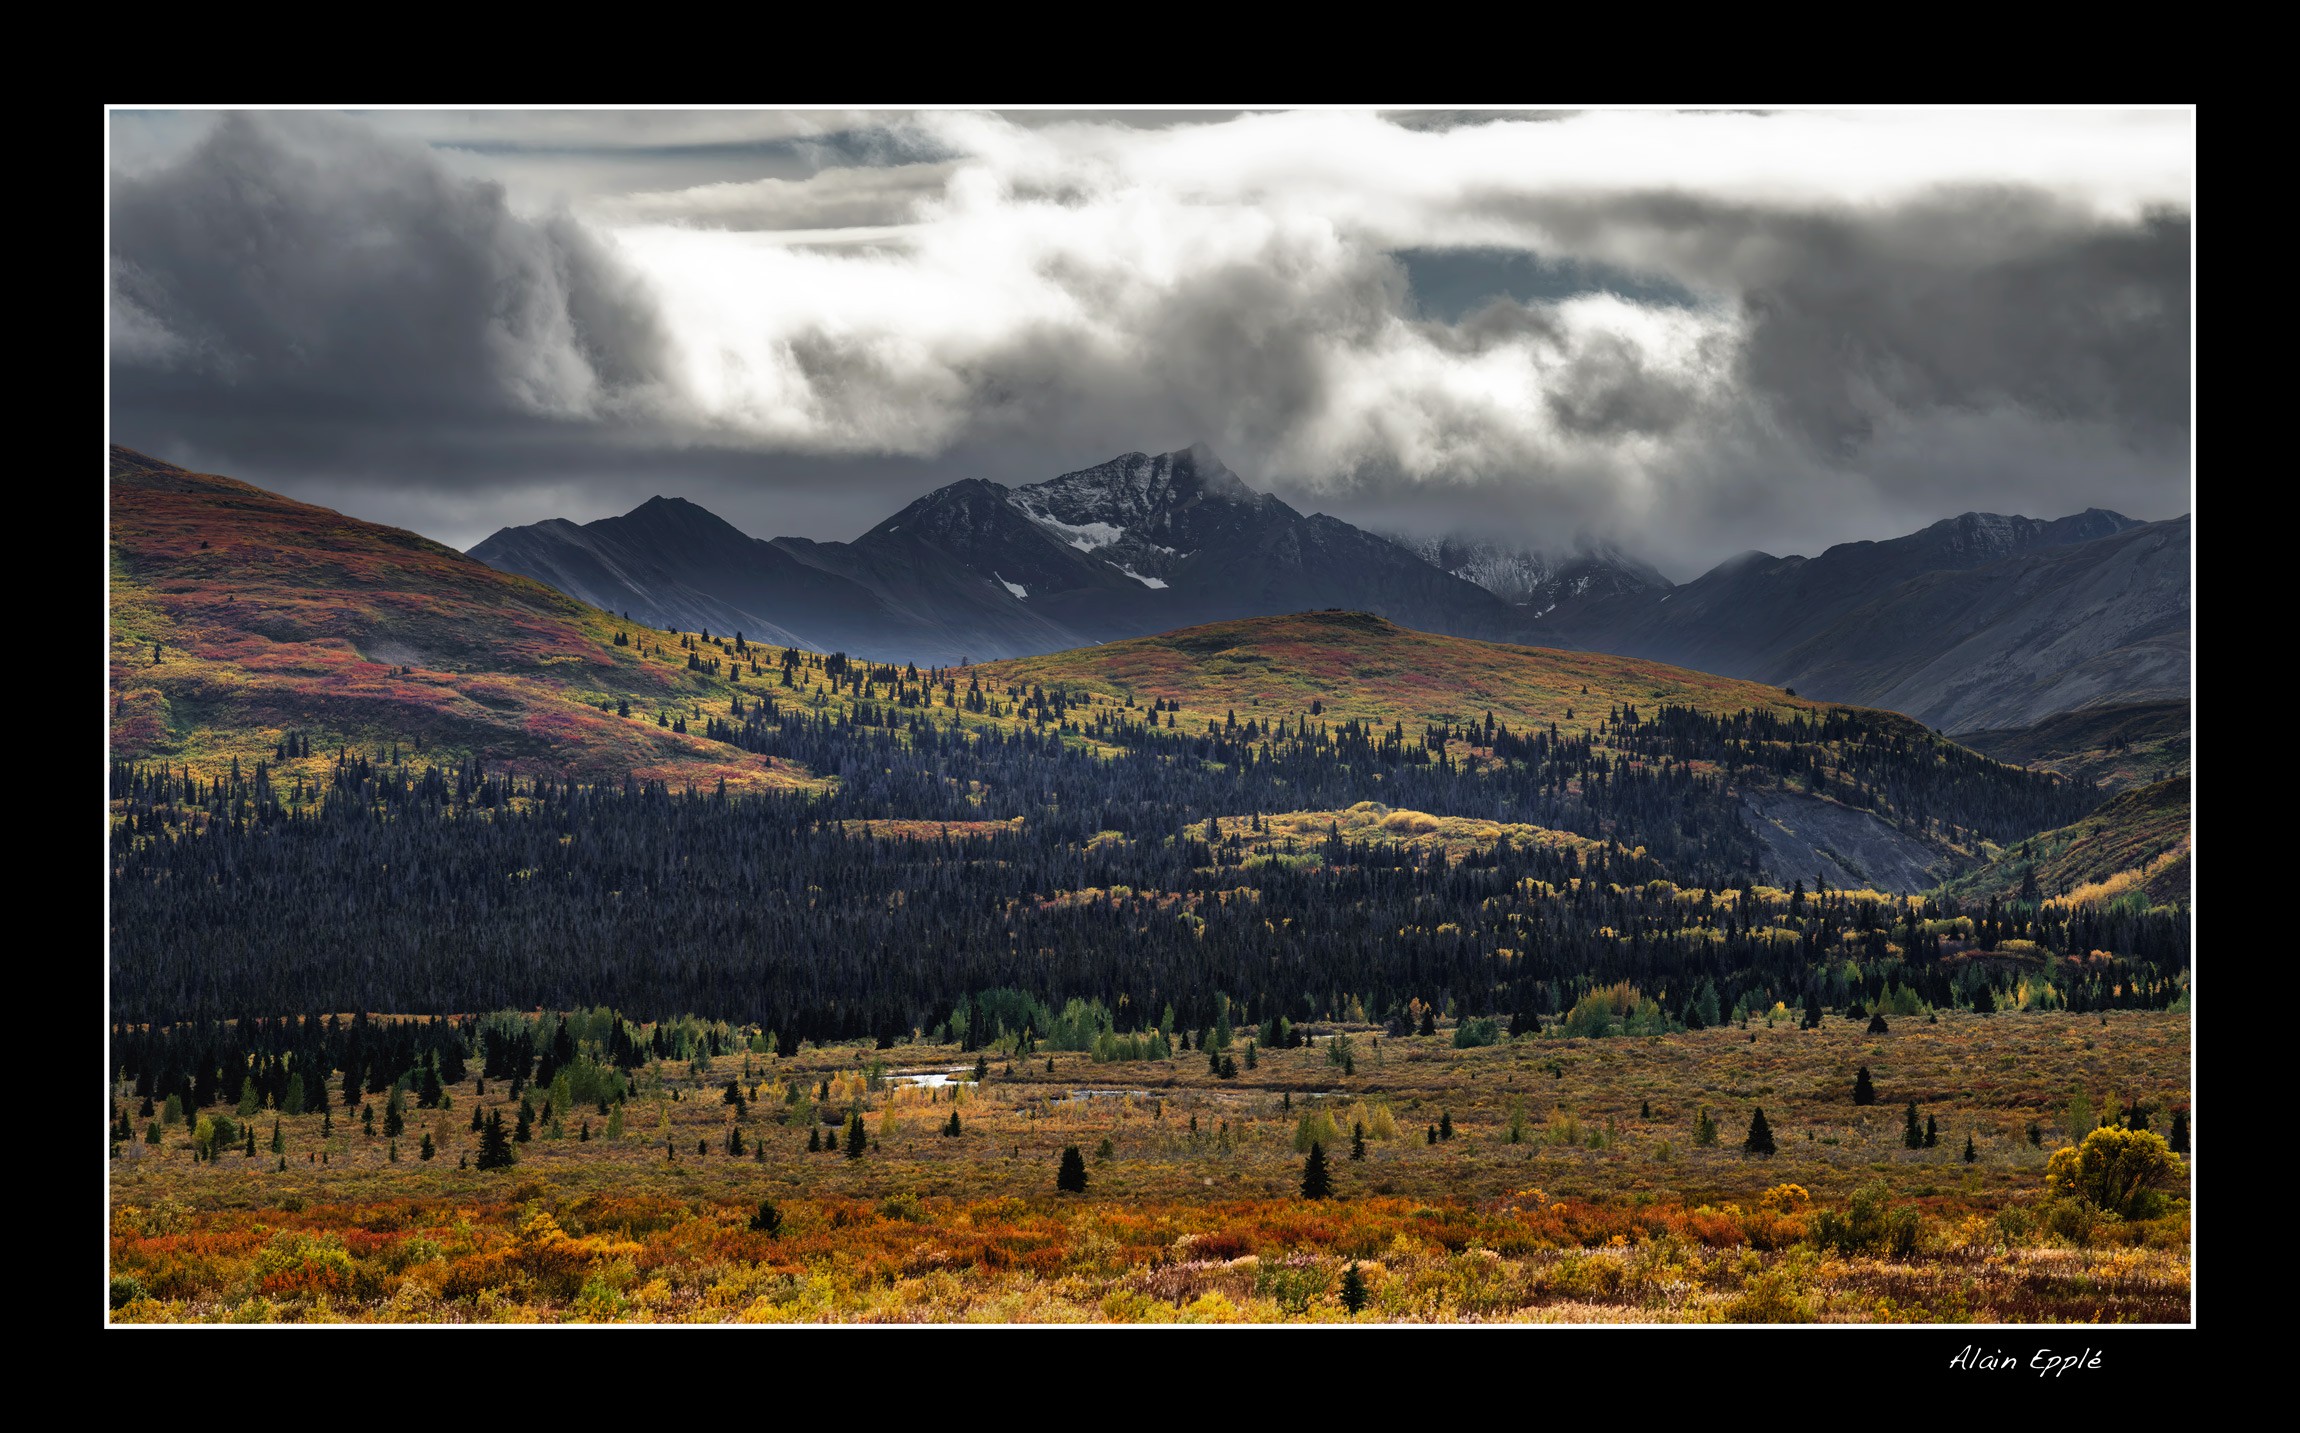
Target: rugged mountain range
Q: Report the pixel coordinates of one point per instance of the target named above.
(978, 570)
(1979, 621)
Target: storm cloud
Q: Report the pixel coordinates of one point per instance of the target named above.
(1688, 334)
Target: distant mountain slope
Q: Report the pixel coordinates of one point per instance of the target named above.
(978, 570)
(2017, 640)
(2113, 747)
(674, 565)
(271, 617)
(1977, 621)
(2135, 846)
(1536, 581)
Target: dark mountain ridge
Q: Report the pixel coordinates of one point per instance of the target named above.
(979, 570)
(1977, 621)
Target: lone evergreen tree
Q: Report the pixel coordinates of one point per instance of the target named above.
(768, 1220)
(494, 1145)
(1760, 1139)
(1812, 1020)
(857, 1141)
(951, 1130)
(525, 1130)
(1704, 1130)
(1317, 1182)
(1912, 1133)
(1071, 1177)
(428, 1150)
(1864, 1092)
(1972, 1155)
(815, 1140)
(1877, 1025)
(1445, 1124)
(2178, 1139)
(1353, 1289)
(1932, 1132)
(1358, 1140)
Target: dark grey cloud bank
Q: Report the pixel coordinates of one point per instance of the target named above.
(357, 312)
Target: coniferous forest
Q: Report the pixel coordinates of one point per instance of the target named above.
(1093, 854)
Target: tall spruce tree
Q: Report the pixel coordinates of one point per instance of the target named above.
(1760, 1140)
(1317, 1181)
(1070, 1178)
(494, 1146)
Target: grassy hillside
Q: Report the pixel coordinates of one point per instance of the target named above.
(1358, 666)
(2138, 842)
(2114, 747)
(269, 616)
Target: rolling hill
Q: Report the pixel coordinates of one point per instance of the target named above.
(1355, 665)
(239, 617)
(1338, 666)
(2136, 846)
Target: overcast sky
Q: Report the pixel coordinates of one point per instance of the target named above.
(1687, 333)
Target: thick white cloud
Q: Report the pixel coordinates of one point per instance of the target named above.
(1849, 292)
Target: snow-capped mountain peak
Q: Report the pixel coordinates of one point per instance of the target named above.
(1141, 513)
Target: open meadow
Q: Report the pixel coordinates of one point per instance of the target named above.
(1533, 1178)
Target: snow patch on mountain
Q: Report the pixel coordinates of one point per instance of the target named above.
(1014, 587)
(1152, 582)
(1085, 536)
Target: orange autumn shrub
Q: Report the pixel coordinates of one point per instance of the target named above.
(297, 1265)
